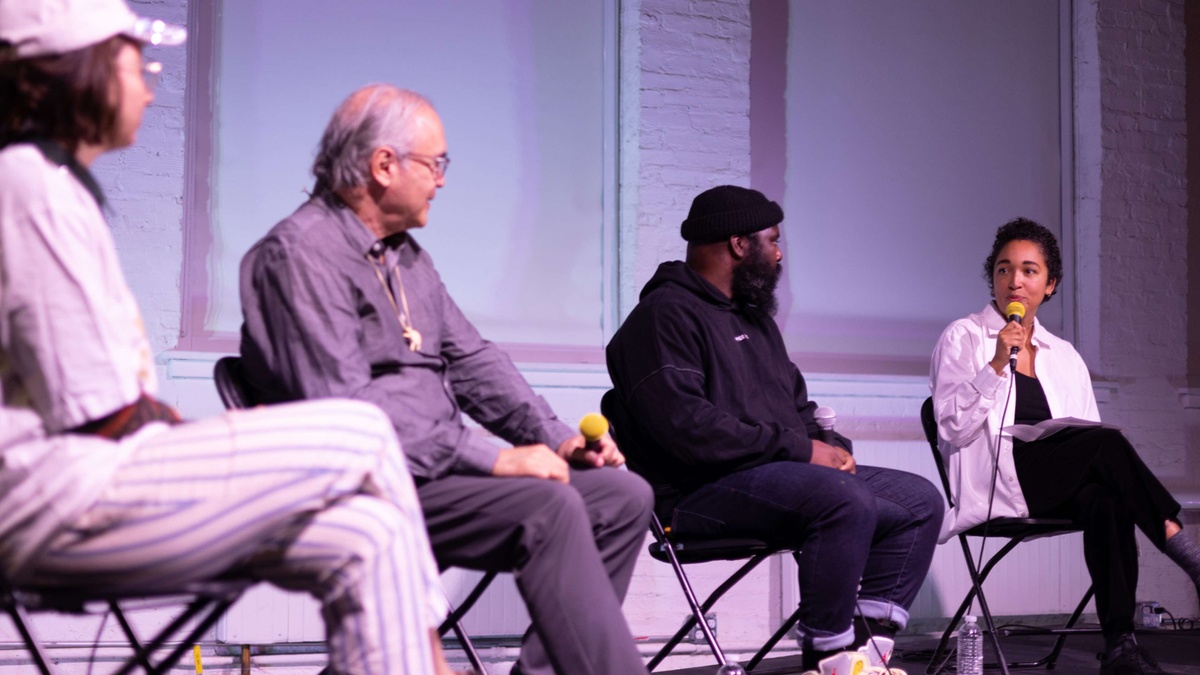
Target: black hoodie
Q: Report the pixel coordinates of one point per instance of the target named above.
(703, 387)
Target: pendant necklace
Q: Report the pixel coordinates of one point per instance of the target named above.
(411, 334)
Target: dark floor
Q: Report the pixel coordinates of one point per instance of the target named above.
(1178, 652)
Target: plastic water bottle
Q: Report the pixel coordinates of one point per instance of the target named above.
(970, 648)
(731, 668)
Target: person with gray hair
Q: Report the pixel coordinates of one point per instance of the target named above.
(378, 116)
(340, 300)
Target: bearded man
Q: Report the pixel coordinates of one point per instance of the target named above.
(713, 413)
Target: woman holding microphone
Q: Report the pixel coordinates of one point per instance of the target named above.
(990, 372)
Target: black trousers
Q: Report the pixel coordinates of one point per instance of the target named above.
(1095, 477)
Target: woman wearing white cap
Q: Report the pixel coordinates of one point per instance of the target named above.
(101, 483)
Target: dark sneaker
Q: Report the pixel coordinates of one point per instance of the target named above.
(1129, 659)
(1149, 665)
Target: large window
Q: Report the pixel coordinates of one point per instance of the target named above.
(523, 232)
(913, 130)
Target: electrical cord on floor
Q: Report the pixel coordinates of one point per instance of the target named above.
(1182, 623)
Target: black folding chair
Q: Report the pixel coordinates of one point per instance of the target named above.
(1015, 530)
(204, 603)
(680, 551)
(231, 386)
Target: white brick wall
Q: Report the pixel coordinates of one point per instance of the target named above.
(685, 116)
(1144, 198)
(694, 123)
(144, 186)
(1143, 251)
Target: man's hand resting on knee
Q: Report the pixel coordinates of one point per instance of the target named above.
(536, 461)
(824, 454)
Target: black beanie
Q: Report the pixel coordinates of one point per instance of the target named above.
(728, 211)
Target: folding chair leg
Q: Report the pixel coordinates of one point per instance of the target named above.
(699, 610)
(943, 646)
(1002, 663)
(139, 652)
(36, 652)
(1051, 659)
(766, 649)
(675, 640)
(465, 606)
(976, 590)
(454, 621)
(212, 610)
(469, 648)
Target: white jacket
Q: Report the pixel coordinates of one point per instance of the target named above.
(72, 349)
(968, 398)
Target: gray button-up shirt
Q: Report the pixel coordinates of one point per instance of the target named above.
(319, 323)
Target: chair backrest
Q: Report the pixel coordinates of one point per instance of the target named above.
(620, 418)
(231, 386)
(929, 424)
(612, 409)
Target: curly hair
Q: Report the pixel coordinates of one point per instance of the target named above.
(71, 98)
(1024, 229)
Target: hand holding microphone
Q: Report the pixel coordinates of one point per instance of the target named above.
(1010, 338)
(824, 452)
(593, 426)
(597, 448)
(826, 419)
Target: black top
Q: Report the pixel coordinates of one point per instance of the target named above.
(57, 153)
(1031, 401)
(704, 387)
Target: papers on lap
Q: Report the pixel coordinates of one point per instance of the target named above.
(1034, 432)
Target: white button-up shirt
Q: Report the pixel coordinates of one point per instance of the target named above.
(72, 349)
(968, 400)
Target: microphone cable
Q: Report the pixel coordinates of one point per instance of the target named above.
(871, 640)
(1017, 309)
(991, 501)
(995, 472)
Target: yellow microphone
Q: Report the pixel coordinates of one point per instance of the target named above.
(1015, 311)
(593, 426)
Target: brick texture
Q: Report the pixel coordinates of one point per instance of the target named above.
(144, 187)
(689, 130)
(694, 117)
(1143, 250)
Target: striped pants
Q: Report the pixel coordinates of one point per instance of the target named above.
(312, 497)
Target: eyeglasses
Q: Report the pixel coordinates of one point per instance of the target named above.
(436, 163)
(151, 70)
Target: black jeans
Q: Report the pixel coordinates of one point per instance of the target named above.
(1094, 477)
(878, 526)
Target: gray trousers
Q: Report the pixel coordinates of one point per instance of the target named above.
(571, 549)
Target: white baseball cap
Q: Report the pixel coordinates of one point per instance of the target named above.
(45, 27)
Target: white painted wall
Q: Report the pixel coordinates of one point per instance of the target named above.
(1142, 245)
(685, 120)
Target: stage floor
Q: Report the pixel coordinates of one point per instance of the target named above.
(1178, 652)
